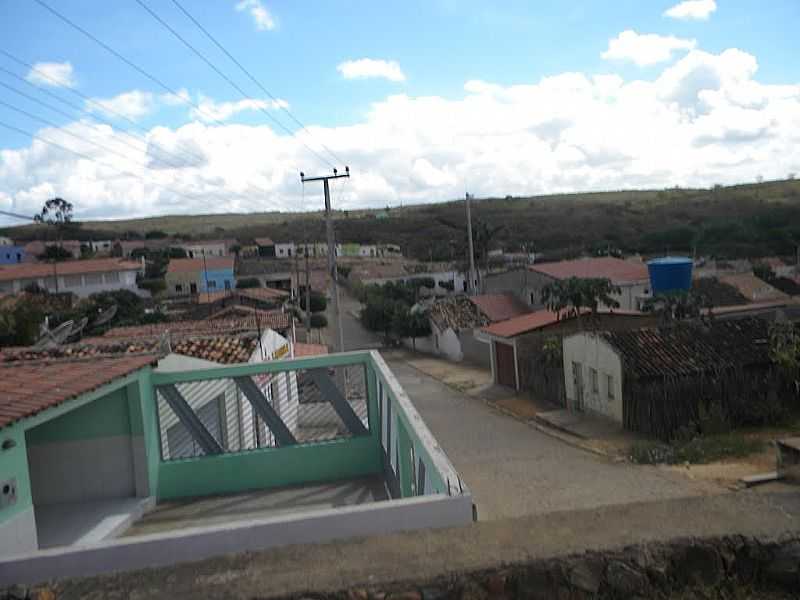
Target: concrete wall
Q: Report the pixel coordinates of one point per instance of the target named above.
(474, 350)
(592, 353)
(197, 250)
(17, 523)
(80, 285)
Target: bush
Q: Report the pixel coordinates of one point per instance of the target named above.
(318, 321)
(318, 302)
(154, 286)
(699, 450)
(248, 282)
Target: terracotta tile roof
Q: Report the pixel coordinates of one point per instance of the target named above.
(692, 348)
(263, 294)
(615, 269)
(211, 297)
(301, 350)
(263, 241)
(29, 388)
(263, 320)
(753, 288)
(541, 319)
(222, 349)
(274, 319)
(499, 307)
(457, 312)
(189, 265)
(70, 267)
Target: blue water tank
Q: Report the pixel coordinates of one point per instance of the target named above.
(670, 274)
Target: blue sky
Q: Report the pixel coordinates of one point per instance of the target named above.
(438, 46)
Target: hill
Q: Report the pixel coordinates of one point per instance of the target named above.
(743, 220)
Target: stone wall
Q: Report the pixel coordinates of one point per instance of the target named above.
(725, 567)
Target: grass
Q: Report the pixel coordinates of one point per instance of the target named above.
(700, 450)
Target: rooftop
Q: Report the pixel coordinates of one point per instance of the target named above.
(263, 241)
(263, 294)
(606, 267)
(544, 318)
(188, 265)
(70, 267)
(29, 388)
(753, 288)
(500, 307)
(301, 350)
(274, 319)
(688, 349)
(261, 320)
(457, 312)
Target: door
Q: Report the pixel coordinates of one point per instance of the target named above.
(193, 288)
(577, 384)
(504, 359)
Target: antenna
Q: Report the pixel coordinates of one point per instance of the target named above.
(54, 338)
(105, 316)
(76, 330)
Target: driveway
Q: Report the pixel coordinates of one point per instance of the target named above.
(514, 470)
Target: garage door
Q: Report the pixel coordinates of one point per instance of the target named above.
(504, 359)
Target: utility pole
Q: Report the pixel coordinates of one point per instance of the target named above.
(339, 345)
(472, 276)
(307, 311)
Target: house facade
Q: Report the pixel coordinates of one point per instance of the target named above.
(657, 380)
(266, 247)
(189, 276)
(10, 253)
(207, 248)
(81, 277)
(284, 250)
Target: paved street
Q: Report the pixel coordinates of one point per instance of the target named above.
(515, 470)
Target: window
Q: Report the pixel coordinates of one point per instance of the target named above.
(533, 298)
(212, 284)
(610, 386)
(178, 288)
(93, 279)
(227, 284)
(593, 379)
(192, 288)
(111, 277)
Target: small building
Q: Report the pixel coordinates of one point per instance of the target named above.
(778, 266)
(207, 248)
(456, 321)
(521, 349)
(389, 251)
(266, 247)
(367, 250)
(284, 250)
(189, 276)
(657, 380)
(753, 288)
(631, 276)
(101, 246)
(10, 253)
(33, 250)
(81, 277)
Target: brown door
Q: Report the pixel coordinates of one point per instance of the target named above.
(504, 359)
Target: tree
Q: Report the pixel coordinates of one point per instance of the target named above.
(155, 234)
(236, 249)
(55, 253)
(571, 296)
(56, 212)
(677, 306)
(407, 323)
(318, 302)
(784, 350)
(248, 282)
(318, 321)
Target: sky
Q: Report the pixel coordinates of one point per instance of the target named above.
(423, 100)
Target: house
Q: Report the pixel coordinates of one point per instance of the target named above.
(631, 276)
(778, 266)
(657, 380)
(455, 322)
(189, 276)
(521, 348)
(266, 247)
(10, 253)
(81, 277)
(284, 250)
(33, 250)
(231, 322)
(101, 246)
(207, 248)
(753, 288)
(367, 250)
(96, 447)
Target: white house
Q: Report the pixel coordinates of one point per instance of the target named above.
(101, 246)
(285, 250)
(206, 248)
(593, 375)
(367, 251)
(81, 277)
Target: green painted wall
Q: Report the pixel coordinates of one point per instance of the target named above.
(147, 405)
(107, 416)
(270, 467)
(14, 463)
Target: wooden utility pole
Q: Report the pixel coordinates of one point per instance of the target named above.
(334, 276)
(472, 277)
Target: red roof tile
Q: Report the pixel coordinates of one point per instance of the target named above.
(188, 265)
(264, 293)
(541, 319)
(499, 307)
(615, 269)
(301, 350)
(262, 320)
(70, 267)
(31, 387)
(263, 241)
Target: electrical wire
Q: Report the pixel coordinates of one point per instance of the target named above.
(89, 101)
(16, 216)
(94, 160)
(232, 83)
(252, 78)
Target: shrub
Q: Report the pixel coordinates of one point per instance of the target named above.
(248, 282)
(154, 286)
(318, 302)
(318, 321)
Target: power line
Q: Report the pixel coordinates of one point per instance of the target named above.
(94, 160)
(16, 216)
(252, 78)
(194, 157)
(229, 80)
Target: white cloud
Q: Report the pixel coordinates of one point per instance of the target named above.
(645, 48)
(705, 119)
(52, 74)
(692, 9)
(133, 105)
(209, 110)
(262, 18)
(370, 68)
